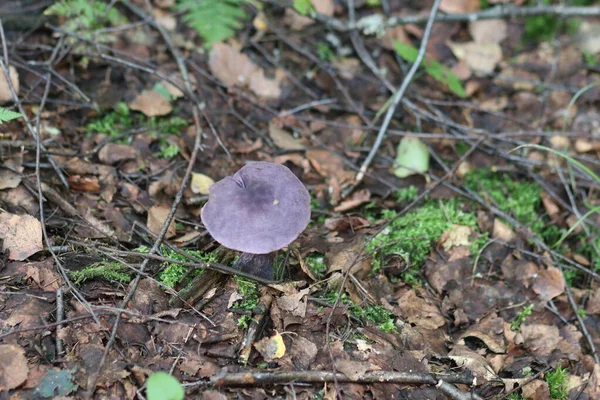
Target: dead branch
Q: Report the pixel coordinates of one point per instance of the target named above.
(259, 378)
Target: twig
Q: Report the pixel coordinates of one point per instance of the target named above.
(399, 93)
(283, 377)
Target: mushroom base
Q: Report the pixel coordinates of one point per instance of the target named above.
(260, 265)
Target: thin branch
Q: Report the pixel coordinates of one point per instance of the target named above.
(399, 94)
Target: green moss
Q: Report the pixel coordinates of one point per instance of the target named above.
(376, 315)
(518, 198)
(522, 315)
(545, 27)
(173, 273)
(412, 235)
(248, 289)
(107, 270)
(114, 123)
(557, 383)
(409, 193)
(316, 264)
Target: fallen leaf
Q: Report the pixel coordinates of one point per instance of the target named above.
(491, 31)
(456, 236)
(303, 352)
(157, 216)
(265, 87)
(412, 157)
(549, 283)
(294, 303)
(352, 369)
(151, 103)
(232, 67)
(283, 139)
(13, 366)
(10, 175)
(490, 330)
(459, 6)
(84, 183)
(481, 58)
(22, 235)
(479, 366)
(201, 183)
(359, 197)
(5, 92)
(502, 231)
(540, 339)
(419, 311)
(271, 348)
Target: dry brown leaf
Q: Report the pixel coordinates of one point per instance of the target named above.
(13, 366)
(490, 330)
(491, 31)
(303, 352)
(84, 183)
(283, 139)
(264, 87)
(5, 92)
(419, 311)
(540, 339)
(459, 6)
(157, 216)
(113, 153)
(457, 235)
(465, 357)
(232, 67)
(352, 369)
(294, 303)
(502, 231)
(22, 235)
(481, 58)
(549, 283)
(151, 104)
(360, 197)
(229, 65)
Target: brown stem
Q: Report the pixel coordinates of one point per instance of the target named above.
(260, 265)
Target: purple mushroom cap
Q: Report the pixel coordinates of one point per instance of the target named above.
(261, 208)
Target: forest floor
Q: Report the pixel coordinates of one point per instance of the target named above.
(455, 258)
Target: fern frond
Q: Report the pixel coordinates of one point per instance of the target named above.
(214, 20)
(7, 115)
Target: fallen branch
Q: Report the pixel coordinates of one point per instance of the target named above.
(283, 377)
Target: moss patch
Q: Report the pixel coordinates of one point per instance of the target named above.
(106, 270)
(412, 235)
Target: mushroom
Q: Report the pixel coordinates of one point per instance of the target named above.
(260, 209)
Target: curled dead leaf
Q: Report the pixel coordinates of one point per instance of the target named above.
(151, 103)
(21, 234)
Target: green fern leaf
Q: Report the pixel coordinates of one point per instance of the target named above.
(214, 20)
(7, 115)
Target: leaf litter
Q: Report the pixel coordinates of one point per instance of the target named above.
(456, 255)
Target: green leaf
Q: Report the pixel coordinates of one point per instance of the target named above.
(55, 383)
(160, 88)
(214, 20)
(162, 386)
(432, 68)
(7, 115)
(412, 157)
(303, 7)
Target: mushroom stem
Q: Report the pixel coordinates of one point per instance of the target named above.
(256, 264)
